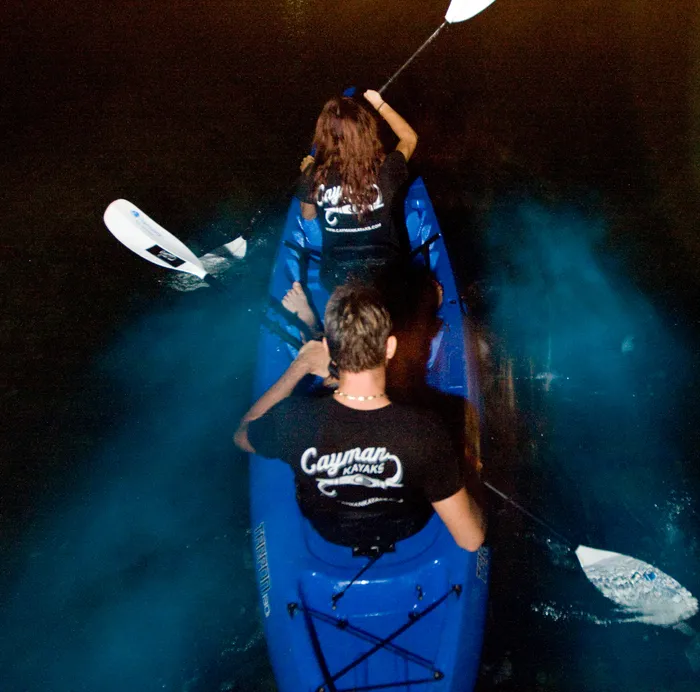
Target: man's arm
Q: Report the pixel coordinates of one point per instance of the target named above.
(464, 519)
(313, 359)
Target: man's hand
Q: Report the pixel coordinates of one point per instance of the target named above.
(313, 357)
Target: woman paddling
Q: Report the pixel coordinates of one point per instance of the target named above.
(351, 187)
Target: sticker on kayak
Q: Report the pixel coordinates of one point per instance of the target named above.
(483, 562)
(260, 546)
(165, 256)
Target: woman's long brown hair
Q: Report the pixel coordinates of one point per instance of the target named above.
(347, 141)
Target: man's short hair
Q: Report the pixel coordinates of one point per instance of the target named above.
(357, 326)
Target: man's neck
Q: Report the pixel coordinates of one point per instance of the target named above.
(362, 390)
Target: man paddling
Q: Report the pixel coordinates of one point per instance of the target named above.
(368, 472)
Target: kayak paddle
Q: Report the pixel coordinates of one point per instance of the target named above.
(458, 11)
(146, 238)
(644, 592)
(142, 235)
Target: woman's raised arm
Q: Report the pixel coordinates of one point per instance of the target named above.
(408, 139)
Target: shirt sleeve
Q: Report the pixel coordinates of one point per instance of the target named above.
(442, 475)
(266, 433)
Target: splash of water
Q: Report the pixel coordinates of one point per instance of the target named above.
(216, 264)
(558, 613)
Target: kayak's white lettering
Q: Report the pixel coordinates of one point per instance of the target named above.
(262, 567)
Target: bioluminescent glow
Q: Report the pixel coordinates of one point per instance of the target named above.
(602, 373)
(141, 569)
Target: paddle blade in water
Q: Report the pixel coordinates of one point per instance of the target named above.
(146, 238)
(642, 590)
(237, 247)
(461, 10)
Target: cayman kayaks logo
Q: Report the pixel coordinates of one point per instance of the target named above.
(332, 197)
(354, 467)
(261, 566)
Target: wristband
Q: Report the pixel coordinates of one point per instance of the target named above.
(380, 106)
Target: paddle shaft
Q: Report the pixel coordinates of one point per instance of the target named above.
(136, 231)
(273, 326)
(411, 59)
(529, 514)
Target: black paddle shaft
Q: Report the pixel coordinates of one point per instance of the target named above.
(526, 512)
(273, 326)
(410, 60)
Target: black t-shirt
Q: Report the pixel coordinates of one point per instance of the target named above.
(346, 235)
(357, 468)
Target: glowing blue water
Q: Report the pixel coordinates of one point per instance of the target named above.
(139, 577)
(599, 377)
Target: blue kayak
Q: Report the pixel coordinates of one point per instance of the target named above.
(414, 619)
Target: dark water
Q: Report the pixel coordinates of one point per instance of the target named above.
(560, 147)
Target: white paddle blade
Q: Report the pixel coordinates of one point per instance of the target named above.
(461, 10)
(643, 591)
(142, 235)
(237, 247)
(589, 556)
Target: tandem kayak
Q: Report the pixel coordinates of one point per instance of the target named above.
(414, 617)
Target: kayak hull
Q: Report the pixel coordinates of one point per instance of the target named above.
(416, 616)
